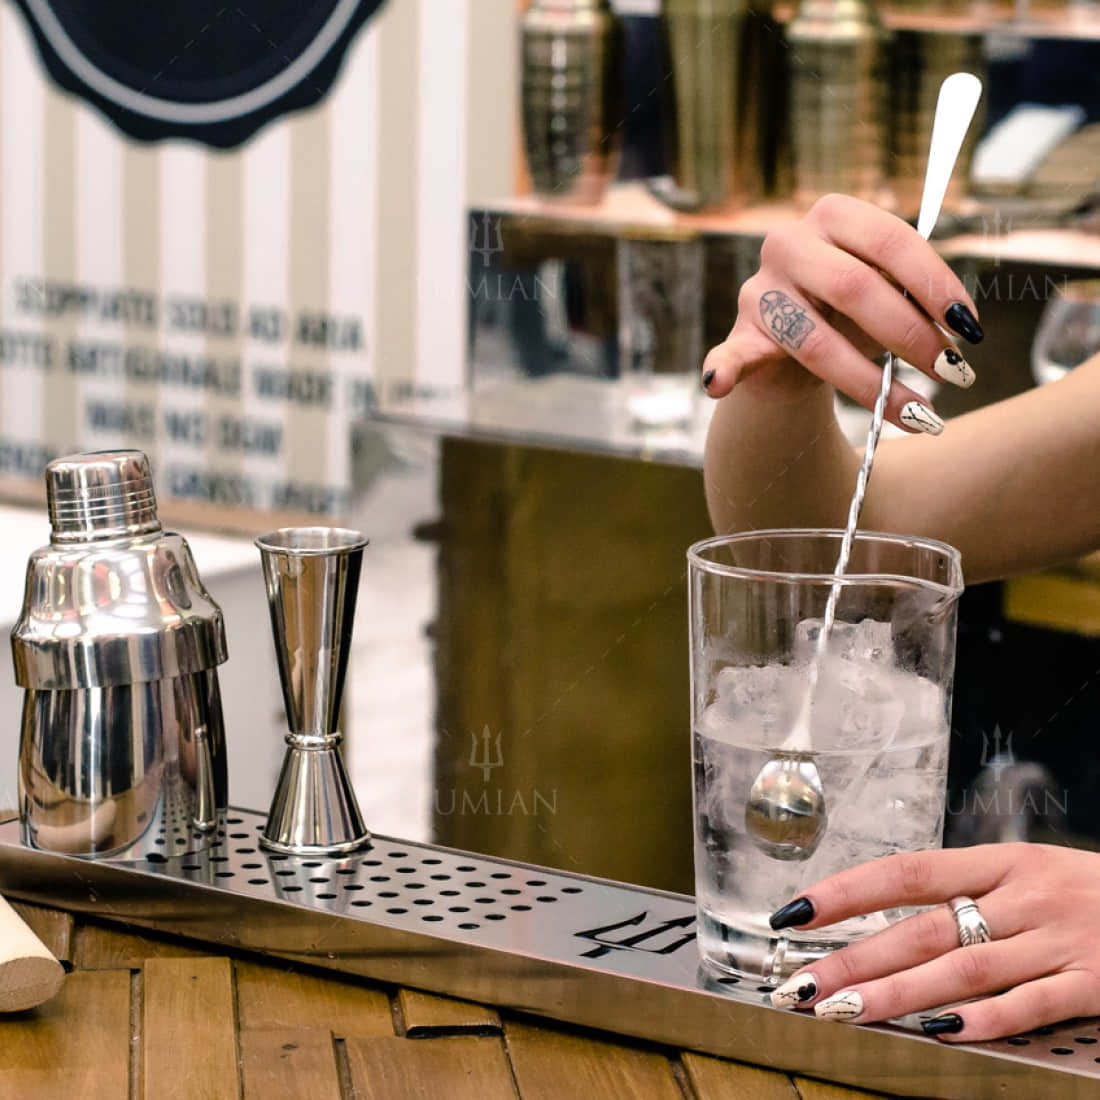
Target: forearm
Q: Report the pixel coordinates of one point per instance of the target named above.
(775, 463)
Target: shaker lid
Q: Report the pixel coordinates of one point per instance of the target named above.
(100, 495)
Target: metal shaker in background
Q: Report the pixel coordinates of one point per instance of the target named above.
(312, 577)
(726, 103)
(838, 55)
(570, 57)
(122, 746)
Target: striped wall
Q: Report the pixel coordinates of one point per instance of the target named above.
(353, 210)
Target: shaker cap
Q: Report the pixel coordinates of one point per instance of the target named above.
(100, 495)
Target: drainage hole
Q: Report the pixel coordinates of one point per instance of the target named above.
(354, 886)
(728, 981)
(380, 878)
(312, 863)
(345, 870)
(235, 821)
(450, 893)
(361, 902)
(406, 870)
(494, 916)
(458, 909)
(511, 890)
(258, 882)
(278, 858)
(765, 989)
(475, 885)
(431, 862)
(326, 896)
(389, 894)
(465, 867)
(159, 840)
(546, 897)
(223, 874)
(1017, 1041)
(292, 889)
(398, 855)
(501, 874)
(1061, 1050)
(485, 901)
(319, 878)
(1085, 1040)
(536, 882)
(246, 851)
(197, 866)
(440, 878)
(423, 901)
(372, 863)
(431, 916)
(413, 885)
(285, 874)
(156, 857)
(468, 925)
(521, 908)
(219, 859)
(251, 866)
(397, 910)
(571, 890)
(238, 836)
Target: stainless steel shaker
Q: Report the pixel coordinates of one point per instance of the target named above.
(122, 746)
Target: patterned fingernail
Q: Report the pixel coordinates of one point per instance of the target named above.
(921, 418)
(950, 1023)
(953, 368)
(795, 991)
(964, 323)
(840, 1007)
(799, 911)
(709, 377)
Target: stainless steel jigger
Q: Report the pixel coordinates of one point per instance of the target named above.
(312, 576)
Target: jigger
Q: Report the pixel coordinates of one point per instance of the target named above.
(312, 576)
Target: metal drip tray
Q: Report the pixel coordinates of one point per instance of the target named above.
(564, 946)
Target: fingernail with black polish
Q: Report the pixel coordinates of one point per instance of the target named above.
(964, 323)
(799, 911)
(950, 1023)
(708, 378)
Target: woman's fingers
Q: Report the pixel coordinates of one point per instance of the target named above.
(797, 332)
(960, 975)
(1048, 1000)
(885, 241)
(830, 276)
(907, 944)
(909, 878)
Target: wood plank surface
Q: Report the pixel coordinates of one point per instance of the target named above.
(289, 1064)
(74, 1046)
(715, 1079)
(544, 1058)
(426, 1015)
(103, 947)
(810, 1089)
(53, 927)
(456, 1068)
(279, 997)
(189, 1043)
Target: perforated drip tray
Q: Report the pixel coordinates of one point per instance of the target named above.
(573, 948)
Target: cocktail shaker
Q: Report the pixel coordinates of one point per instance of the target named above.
(726, 102)
(571, 77)
(122, 745)
(838, 55)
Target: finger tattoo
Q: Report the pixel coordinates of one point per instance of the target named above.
(787, 321)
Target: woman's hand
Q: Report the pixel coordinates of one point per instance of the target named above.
(1042, 965)
(826, 301)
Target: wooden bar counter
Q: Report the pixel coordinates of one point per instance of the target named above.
(142, 1016)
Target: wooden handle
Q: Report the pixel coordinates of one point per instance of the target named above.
(29, 974)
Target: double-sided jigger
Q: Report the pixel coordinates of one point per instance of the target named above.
(312, 577)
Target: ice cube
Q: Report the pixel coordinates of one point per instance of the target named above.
(855, 706)
(868, 640)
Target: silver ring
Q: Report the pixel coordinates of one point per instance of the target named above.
(969, 921)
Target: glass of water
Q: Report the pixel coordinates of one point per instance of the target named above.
(879, 721)
(1068, 332)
